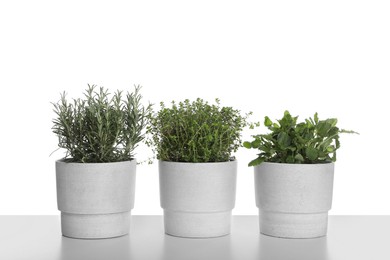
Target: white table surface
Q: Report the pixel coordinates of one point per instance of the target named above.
(349, 237)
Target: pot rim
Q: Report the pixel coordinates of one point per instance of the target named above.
(63, 161)
(296, 164)
(198, 163)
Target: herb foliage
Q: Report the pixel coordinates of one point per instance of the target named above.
(100, 127)
(308, 142)
(195, 132)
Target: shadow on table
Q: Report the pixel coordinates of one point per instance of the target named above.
(197, 249)
(280, 248)
(152, 245)
(114, 248)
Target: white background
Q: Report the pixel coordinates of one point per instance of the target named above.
(332, 57)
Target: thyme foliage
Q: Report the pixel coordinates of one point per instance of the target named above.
(195, 132)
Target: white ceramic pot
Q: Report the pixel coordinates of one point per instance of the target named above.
(95, 199)
(294, 199)
(197, 198)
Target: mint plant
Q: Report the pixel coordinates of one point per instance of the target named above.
(307, 142)
(195, 132)
(100, 127)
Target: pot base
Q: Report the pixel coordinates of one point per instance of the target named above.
(197, 224)
(95, 226)
(293, 225)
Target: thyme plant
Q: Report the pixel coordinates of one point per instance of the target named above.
(100, 127)
(195, 132)
(310, 141)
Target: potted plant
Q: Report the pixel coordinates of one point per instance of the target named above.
(294, 175)
(194, 143)
(96, 179)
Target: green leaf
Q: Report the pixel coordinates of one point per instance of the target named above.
(267, 121)
(256, 161)
(330, 149)
(326, 143)
(337, 143)
(299, 157)
(333, 131)
(256, 143)
(247, 145)
(290, 159)
(283, 139)
(311, 153)
(292, 148)
(323, 127)
(332, 121)
(316, 118)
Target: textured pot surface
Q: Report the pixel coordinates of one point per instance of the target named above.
(95, 199)
(294, 199)
(197, 198)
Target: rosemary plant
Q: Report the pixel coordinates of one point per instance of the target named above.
(100, 127)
